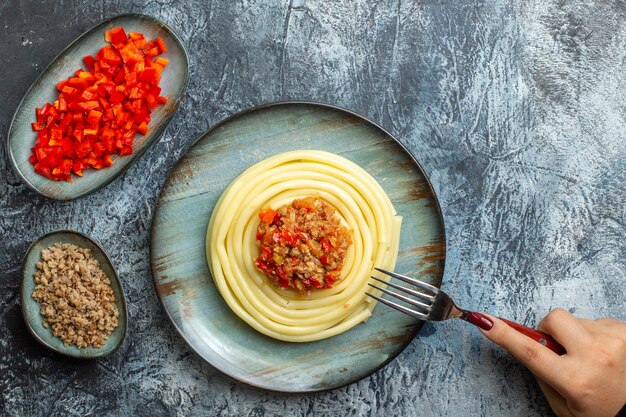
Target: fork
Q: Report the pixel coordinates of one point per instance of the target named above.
(432, 304)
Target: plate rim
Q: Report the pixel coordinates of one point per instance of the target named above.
(156, 135)
(253, 109)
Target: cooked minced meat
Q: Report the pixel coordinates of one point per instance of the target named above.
(303, 244)
(76, 297)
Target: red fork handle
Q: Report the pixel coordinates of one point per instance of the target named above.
(537, 335)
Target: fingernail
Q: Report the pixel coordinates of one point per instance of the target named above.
(480, 320)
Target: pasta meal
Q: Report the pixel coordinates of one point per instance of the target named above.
(293, 240)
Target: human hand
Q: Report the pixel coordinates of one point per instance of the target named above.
(590, 379)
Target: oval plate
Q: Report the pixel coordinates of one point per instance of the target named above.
(186, 289)
(21, 138)
(30, 307)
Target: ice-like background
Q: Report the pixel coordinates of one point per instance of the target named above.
(516, 110)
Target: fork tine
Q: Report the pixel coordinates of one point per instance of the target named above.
(413, 281)
(398, 307)
(425, 297)
(404, 298)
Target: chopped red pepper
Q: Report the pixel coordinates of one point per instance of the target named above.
(149, 74)
(162, 61)
(93, 117)
(161, 45)
(135, 36)
(267, 215)
(266, 253)
(115, 35)
(89, 62)
(288, 237)
(99, 110)
(142, 128)
(317, 284)
(37, 126)
(326, 246)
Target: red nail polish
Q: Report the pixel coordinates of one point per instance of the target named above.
(479, 320)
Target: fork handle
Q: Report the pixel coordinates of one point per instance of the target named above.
(537, 335)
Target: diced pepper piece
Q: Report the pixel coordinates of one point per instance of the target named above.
(267, 215)
(55, 133)
(151, 101)
(140, 43)
(41, 154)
(86, 95)
(115, 35)
(326, 246)
(142, 128)
(116, 97)
(288, 237)
(61, 84)
(89, 62)
(83, 149)
(66, 166)
(130, 53)
(87, 76)
(67, 90)
(161, 45)
(78, 82)
(149, 75)
(99, 149)
(111, 56)
(68, 146)
(162, 61)
(93, 117)
(62, 104)
(83, 106)
(37, 126)
(153, 51)
(130, 78)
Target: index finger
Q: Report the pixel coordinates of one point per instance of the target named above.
(540, 360)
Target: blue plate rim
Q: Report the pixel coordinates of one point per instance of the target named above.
(262, 107)
(117, 277)
(157, 134)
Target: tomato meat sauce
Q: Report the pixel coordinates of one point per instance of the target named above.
(99, 110)
(303, 245)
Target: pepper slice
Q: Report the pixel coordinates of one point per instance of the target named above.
(115, 35)
(99, 110)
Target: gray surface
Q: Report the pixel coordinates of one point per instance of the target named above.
(516, 112)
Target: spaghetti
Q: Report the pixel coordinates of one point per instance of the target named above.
(285, 313)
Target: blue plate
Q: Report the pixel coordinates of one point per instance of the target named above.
(185, 287)
(21, 137)
(31, 308)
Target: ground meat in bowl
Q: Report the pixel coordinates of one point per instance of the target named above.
(76, 297)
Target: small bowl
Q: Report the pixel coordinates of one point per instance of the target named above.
(31, 308)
